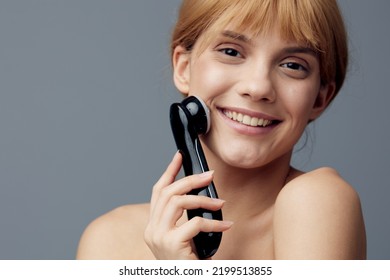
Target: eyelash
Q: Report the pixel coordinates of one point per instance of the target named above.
(293, 66)
(234, 53)
(230, 52)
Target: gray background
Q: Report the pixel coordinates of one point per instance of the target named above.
(85, 87)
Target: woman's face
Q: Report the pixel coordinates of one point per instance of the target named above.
(262, 91)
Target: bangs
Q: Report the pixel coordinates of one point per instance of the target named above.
(296, 20)
(315, 24)
(302, 21)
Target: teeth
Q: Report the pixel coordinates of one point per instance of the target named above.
(254, 121)
(247, 120)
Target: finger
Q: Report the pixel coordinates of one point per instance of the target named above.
(187, 184)
(180, 187)
(168, 177)
(177, 204)
(191, 228)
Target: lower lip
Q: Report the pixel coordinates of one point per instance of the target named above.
(246, 129)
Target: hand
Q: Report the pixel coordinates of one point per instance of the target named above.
(163, 235)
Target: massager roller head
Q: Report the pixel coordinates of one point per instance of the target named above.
(200, 113)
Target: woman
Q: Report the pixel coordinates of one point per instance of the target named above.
(265, 69)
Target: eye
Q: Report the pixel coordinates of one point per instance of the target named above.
(231, 52)
(294, 66)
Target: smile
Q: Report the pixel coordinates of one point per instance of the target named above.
(247, 120)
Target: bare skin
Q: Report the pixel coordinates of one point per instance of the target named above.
(270, 210)
(283, 230)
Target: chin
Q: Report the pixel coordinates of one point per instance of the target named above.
(237, 154)
(242, 159)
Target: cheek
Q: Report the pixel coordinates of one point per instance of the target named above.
(208, 81)
(300, 100)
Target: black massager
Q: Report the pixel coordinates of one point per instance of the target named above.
(189, 119)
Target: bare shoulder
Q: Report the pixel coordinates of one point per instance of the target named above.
(324, 183)
(318, 216)
(117, 234)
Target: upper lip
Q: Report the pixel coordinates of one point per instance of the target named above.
(253, 114)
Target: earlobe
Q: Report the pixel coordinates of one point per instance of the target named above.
(324, 97)
(181, 69)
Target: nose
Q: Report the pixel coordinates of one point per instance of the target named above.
(256, 83)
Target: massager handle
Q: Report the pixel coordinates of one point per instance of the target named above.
(194, 162)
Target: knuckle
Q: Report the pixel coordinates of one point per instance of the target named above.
(198, 221)
(156, 188)
(192, 180)
(164, 194)
(175, 201)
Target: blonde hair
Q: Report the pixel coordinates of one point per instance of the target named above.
(317, 24)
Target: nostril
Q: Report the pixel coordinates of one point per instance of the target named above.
(257, 89)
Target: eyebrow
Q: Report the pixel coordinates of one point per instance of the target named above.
(299, 49)
(235, 36)
(289, 50)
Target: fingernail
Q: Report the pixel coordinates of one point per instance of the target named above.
(227, 223)
(218, 200)
(206, 174)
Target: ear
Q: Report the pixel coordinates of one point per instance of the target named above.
(324, 97)
(181, 69)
